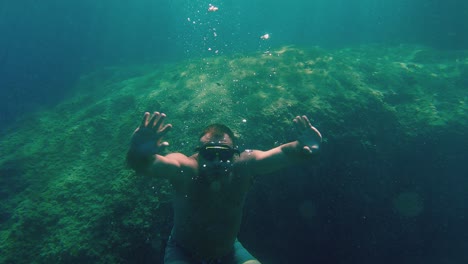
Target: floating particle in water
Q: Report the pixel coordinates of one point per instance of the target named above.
(265, 37)
(212, 8)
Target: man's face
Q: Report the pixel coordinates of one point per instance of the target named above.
(216, 149)
(215, 155)
(209, 138)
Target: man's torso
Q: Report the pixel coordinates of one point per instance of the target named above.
(208, 210)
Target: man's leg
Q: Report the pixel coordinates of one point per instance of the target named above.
(242, 256)
(252, 262)
(174, 254)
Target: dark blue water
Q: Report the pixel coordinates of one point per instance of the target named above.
(46, 45)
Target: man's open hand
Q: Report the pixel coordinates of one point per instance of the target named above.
(148, 137)
(309, 137)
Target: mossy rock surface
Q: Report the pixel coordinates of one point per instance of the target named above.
(67, 197)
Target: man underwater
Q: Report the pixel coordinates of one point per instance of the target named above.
(211, 185)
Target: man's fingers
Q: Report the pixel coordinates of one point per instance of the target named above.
(307, 150)
(159, 121)
(152, 122)
(297, 121)
(165, 129)
(164, 144)
(300, 123)
(144, 121)
(317, 132)
(306, 121)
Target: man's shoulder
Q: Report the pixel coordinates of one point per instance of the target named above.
(248, 155)
(246, 160)
(176, 155)
(182, 159)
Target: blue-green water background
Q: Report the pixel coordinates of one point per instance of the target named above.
(46, 45)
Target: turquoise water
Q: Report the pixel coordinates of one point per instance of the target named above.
(47, 45)
(405, 206)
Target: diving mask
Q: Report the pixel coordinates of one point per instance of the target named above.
(213, 151)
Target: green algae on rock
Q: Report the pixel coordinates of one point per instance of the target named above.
(75, 201)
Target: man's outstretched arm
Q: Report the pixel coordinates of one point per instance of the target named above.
(304, 148)
(147, 144)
